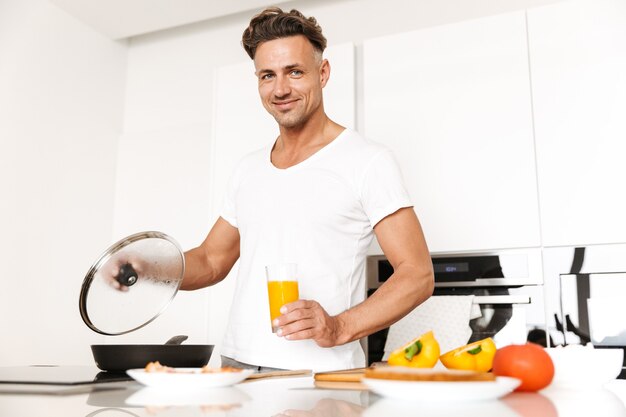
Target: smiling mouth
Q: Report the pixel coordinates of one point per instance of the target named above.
(284, 105)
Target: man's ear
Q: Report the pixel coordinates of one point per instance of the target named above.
(324, 72)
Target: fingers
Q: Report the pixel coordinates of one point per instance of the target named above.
(111, 271)
(306, 319)
(322, 335)
(298, 304)
(296, 311)
(302, 329)
(115, 284)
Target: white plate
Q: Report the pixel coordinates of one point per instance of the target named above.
(188, 378)
(443, 391)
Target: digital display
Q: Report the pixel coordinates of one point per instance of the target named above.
(451, 267)
(454, 269)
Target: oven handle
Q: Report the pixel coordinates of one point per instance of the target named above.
(501, 299)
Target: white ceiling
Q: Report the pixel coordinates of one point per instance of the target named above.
(118, 19)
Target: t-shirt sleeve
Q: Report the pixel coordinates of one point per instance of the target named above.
(383, 191)
(229, 208)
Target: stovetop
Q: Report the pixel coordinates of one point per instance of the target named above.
(58, 375)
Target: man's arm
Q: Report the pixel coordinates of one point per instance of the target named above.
(210, 262)
(401, 238)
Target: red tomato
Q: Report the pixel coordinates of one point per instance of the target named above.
(529, 362)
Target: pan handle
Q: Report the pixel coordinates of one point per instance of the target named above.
(176, 340)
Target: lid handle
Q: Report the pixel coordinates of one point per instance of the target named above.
(127, 275)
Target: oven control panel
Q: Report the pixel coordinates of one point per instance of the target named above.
(509, 268)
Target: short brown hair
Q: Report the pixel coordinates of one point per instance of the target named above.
(272, 23)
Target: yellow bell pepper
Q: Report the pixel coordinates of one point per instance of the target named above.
(477, 356)
(422, 352)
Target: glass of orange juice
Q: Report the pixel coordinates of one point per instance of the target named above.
(282, 287)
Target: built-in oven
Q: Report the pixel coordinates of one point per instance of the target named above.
(506, 285)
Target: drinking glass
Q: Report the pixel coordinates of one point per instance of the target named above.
(282, 287)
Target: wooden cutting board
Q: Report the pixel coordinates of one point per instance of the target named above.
(345, 378)
(346, 375)
(353, 386)
(348, 379)
(279, 374)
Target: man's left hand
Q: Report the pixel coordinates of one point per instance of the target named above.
(307, 319)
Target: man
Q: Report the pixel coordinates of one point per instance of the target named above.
(315, 198)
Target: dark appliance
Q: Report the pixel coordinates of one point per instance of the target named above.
(506, 285)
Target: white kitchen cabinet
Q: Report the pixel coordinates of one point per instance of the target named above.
(453, 102)
(578, 67)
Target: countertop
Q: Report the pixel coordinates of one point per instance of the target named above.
(297, 397)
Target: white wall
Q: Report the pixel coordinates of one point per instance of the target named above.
(61, 100)
(68, 95)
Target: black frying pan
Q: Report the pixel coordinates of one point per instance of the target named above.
(120, 358)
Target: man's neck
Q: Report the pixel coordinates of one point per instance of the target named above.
(312, 132)
(294, 145)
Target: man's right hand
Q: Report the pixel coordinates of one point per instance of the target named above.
(123, 270)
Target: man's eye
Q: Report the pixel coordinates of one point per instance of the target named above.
(266, 76)
(296, 73)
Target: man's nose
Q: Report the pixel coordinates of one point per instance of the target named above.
(282, 87)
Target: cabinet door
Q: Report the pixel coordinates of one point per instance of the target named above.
(578, 66)
(453, 102)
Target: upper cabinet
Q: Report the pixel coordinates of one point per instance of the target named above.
(453, 102)
(578, 68)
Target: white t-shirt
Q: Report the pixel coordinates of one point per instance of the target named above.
(320, 215)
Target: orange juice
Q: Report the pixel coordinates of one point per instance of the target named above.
(281, 293)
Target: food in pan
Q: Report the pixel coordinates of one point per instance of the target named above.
(207, 370)
(157, 367)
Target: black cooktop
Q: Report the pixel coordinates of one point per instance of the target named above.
(58, 375)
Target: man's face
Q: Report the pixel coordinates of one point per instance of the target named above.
(291, 76)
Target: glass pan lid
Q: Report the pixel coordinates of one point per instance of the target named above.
(131, 283)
